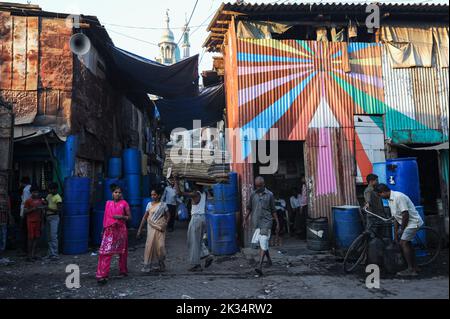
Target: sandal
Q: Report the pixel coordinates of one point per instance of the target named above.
(102, 281)
(196, 268)
(208, 262)
(259, 271)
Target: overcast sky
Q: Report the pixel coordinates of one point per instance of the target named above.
(125, 20)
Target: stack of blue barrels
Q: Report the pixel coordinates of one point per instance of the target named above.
(132, 174)
(76, 215)
(221, 217)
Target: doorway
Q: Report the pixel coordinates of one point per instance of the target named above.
(430, 187)
(285, 183)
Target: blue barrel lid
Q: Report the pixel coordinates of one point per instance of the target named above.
(346, 207)
(402, 159)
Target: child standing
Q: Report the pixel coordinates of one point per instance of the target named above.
(33, 210)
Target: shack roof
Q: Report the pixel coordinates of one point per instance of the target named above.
(296, 11)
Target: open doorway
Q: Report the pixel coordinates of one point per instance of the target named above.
(430, 187)
(285, 183)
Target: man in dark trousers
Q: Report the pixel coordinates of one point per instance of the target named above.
(374, 204)
(261, 208)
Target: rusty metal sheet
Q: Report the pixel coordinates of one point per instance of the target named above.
(416, 103)
(443, 90)
(425, 88)
(19, 53)
(56, 58)
(330, 171)
(5, 50)
(24, 105)
(32, 53)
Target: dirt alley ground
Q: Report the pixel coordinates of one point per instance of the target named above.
(297, 273)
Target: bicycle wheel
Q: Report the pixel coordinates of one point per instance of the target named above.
(427, 244)
(356, 253)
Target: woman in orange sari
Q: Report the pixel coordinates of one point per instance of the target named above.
(157, 217)
(115, 236)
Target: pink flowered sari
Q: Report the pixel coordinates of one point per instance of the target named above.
(115, 238)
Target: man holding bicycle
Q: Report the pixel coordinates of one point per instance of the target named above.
(406, 216)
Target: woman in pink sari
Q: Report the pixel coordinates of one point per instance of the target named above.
(115, 236)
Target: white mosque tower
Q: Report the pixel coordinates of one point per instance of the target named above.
(169, 52)
(186, 46)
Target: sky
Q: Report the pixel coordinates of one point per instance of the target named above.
(135, 25)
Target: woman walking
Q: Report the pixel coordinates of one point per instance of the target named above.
(115, 235)
(157, 216)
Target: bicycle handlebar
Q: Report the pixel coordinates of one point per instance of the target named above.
(386, 220)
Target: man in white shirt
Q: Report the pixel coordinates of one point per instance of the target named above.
(406, 216)
(170, 198)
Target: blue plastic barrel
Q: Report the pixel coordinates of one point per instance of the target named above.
(115, 167)
(403, 176)
(145, 202)
(76, 196)
(421, 235)
(347, 225)
(71, 150)
(224, 191)
(75, 234)
(221, 231)
(97, 226)
(136, 215)
(146, 186)
(210, 207)
(379, 169)
(233, 179)
(132, 161)
(133, 187)
(226, 206)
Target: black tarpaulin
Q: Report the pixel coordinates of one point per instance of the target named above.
(173, 81)
(208, 107)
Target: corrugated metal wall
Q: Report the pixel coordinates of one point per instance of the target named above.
(417, 103)
(330, 170)
(292, 85)
(443, 89)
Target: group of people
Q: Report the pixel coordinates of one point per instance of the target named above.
(160, 217)
(407, 219)
(36, 214)
(263, 216)
(292, 215)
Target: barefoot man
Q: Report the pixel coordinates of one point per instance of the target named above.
(261, 207)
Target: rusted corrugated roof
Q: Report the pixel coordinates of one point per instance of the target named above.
(285, 11)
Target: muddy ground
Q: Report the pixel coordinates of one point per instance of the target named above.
(297, 273)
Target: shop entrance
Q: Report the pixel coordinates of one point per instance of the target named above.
(284, 184)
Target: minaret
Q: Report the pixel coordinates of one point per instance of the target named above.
(186, 45)
(167, 45)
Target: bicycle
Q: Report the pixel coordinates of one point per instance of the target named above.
(427, 244)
